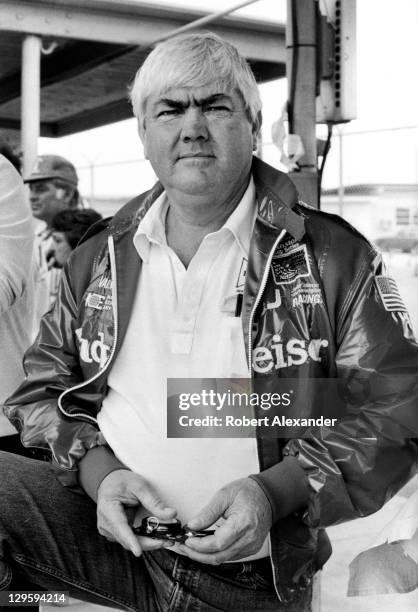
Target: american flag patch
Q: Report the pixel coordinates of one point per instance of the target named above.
(389, 294)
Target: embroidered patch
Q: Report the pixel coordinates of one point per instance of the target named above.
(105, 282)
(290, 266)
(95, 300)
(98, 301)
(389, 294)
(306, 293)
(286, 245)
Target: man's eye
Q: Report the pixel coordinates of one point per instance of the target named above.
(218, 111)
(169, 112)
(217, 108)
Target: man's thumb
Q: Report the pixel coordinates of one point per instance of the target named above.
(155, 506)
(210, 513)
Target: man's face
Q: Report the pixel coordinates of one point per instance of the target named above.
(199, 140)
(62, 249)
(46, 200)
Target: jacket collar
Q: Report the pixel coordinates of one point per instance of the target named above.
(276, 195)
(129, 216)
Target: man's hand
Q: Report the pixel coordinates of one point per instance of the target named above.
(121, 489)
(248, 520)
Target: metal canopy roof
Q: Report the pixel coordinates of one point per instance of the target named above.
(97, 47)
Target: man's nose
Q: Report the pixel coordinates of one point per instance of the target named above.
(194, 125)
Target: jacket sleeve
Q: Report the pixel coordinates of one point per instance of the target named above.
(52, 366)
(356, 466)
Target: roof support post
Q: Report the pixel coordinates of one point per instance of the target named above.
(301, 71)
(31, 100)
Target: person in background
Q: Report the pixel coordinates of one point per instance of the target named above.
(16, 290)
(68, 227)
(53, 185)
(219, 271)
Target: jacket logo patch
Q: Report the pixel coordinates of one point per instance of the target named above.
(286, 245)
(273, 305)
(95, 300)
(293, 352)
(98, 301)
(105, 282)
(306, 293)
(277, 301)
(389, 294)
(93, 351)
(290, 266)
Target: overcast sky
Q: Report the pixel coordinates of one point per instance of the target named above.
(387, 97)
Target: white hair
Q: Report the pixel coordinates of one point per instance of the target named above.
(194, 60)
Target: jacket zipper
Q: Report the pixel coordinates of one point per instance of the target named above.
(250, 349)
(259, 294)
(115, 317)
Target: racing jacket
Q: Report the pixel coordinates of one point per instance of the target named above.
(317, 304)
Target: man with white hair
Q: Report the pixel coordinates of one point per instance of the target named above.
(217, 272)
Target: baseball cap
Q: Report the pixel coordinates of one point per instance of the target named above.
(53, 166)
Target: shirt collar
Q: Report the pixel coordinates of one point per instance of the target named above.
(240, 223)
(152, 227)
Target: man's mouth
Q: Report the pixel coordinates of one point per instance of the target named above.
(195, 155)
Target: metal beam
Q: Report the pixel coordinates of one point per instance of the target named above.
(31, 96)
(96, 117)
(301, 68)
(131, 23)
(12, 128)
(267, 71)
(74, 59)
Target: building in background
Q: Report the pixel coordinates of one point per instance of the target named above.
(385, 213)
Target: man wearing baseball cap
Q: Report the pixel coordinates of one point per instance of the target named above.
(53, 185)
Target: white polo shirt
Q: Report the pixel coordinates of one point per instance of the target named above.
(183, 325)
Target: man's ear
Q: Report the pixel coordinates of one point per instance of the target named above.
(141, 132)
(256, 129)
(65, 194)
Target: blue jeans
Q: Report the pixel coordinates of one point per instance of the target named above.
(48, 538)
